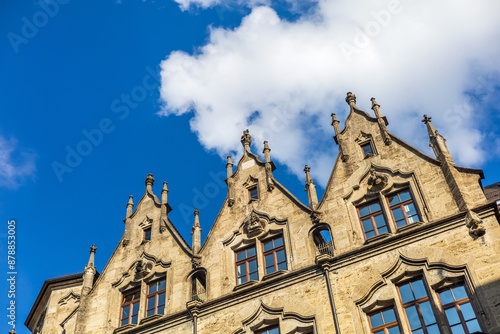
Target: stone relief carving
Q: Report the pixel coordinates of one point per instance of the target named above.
(377, 181)
(474, 223)
(254, 224)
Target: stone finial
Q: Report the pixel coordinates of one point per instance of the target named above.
(93, 250)
(246, 140)
(164, 193)
(381, 122)
(196, 231)
(150, 180)
(311, 189)
(130, 206)
(12, 331)
(426, 119)
(334, 119)
(376, 108)
(266, 151)
(350, 98)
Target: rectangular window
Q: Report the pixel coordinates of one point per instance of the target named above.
(147, 234)
(253, 193)
(367, 149)
(156, 297)
(246, 265)
(274, 255)
(269, 330)
(418, 308)
(384, 322)
(130, 308)
(402, 208)
(372, 219)
(458, 310)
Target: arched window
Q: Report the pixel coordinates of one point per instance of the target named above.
(199, 286)
(322, 238)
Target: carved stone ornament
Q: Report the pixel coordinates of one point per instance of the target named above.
(474, 223)
(246, 139)
(377, 181)
(196, 262)
(254, 224)
(316, 217)
(125, 242)
(142, 268)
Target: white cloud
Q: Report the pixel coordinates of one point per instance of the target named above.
(419, 57)
(15, 166)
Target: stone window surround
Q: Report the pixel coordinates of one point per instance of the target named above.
(142, 286)
(436, 277)
(386, 211)
(258, 243)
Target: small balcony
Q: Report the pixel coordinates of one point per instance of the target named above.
(325, 248)
(199, 294)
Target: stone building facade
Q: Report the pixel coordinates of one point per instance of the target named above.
(401, 242)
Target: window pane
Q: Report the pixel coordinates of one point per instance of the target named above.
(379, 220)
(389, 316)
(124, 322)
(274, 331)
(405, 195)
(252, 266)
(376, 320)
(467, 311)
(161, 299)
(151, 302)
(128, 298)
(278, 242)
(367, 149)
(135, 308)
(242, 270)
(418, 289)
(434, 329)
(125, 312)
(452, 316)
(394, 330)
(282, 266)
(382, 230)
(242, 279)
(412, 219)
(161, 309)
(270, 270)
(240, 256)
(375, 207)
(162, 284)
(410, 209)
(413, 319)
(364, 211)
(458, 329)
(398, 214)
(152, 288)
(150, 312)
(367, 225)
(268, 245)
(379, 332)
(418, 331)
(427, 313)
(401, 223)
(134, 319)
(473, 326)
(459, 292)
(254, 276)
(393, 200)
(370, 235)
(250, 252)
(406, 294)
(280, 255)
(147, 235)
(446, 297)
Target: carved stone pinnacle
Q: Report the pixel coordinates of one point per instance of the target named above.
(426, 119)
(246, 139)
(150, 180)
(93, 249)
(350, 98)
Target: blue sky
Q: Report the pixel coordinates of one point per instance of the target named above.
(167, 88)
